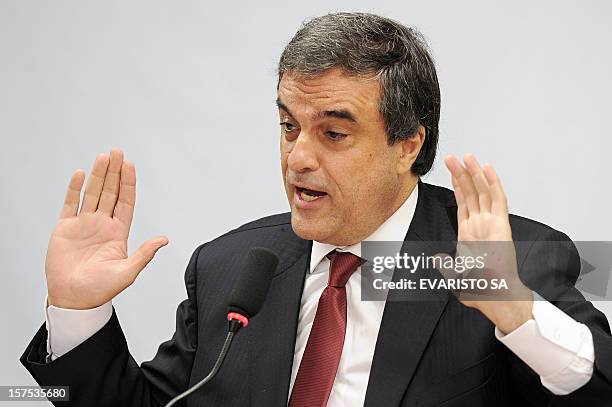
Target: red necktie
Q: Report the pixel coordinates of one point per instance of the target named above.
(319, 364)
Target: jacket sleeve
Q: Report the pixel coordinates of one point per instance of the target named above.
(551, 267)
(101, 371)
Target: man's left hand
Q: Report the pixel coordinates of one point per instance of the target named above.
(482, 216)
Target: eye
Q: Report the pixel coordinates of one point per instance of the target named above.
(287, 127)
(335, 136)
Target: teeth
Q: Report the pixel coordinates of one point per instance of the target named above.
(308, 198)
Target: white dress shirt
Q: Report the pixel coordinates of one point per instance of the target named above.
(557, 347)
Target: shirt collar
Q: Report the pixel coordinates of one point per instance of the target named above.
(394, 229)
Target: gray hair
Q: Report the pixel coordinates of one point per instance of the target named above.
(367, 44)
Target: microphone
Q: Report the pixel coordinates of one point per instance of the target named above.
(246, 299)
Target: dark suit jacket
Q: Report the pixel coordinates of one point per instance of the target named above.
(428, 353)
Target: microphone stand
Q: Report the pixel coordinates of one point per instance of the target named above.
(234, 326)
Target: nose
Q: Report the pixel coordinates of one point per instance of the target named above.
(303, 155)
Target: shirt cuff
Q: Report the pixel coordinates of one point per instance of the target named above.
(68, 328)
(557, 347)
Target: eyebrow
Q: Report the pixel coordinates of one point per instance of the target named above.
(282, 106)
(336, 113)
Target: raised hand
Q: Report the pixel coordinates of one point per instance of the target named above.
(87, 261)
(484, 226)
(482, 207)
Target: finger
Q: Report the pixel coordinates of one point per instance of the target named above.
(464, 180)
(499, 205)
(110, 189)
(124, 210)
(73, 195)
(141, 257)
(480, 182)
(462, 212)
(94, 184)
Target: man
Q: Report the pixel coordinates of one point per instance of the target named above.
(359, 105)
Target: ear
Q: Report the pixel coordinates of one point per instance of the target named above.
(410, 149)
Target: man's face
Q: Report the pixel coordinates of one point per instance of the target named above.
(341, 177)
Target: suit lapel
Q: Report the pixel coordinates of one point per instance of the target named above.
(407, 324)
(272, 336)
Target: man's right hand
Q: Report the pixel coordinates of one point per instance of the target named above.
(87, 262)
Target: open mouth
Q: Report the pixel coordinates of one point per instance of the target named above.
(309, 195)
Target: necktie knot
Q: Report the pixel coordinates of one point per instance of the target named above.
(343, 265)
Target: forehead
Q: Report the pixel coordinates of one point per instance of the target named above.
(333, 89)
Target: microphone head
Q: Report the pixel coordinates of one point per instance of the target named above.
(249, 292)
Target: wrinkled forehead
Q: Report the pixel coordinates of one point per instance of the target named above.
(334, 90)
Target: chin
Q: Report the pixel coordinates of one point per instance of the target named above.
(309, 229)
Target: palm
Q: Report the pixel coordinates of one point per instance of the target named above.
(483, 227)
(483, 222)
(87, 262)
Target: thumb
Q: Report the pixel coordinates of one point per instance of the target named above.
(141, 257)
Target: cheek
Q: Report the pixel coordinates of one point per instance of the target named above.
(284, 154)
(285, 149)
(284, 171)
(347, 179)
(372, 185)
